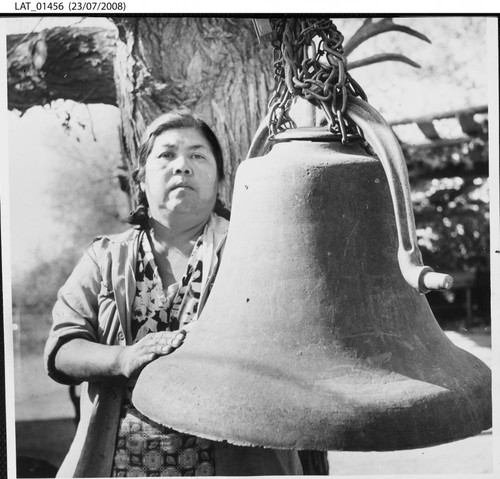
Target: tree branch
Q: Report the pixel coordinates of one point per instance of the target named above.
(370, 29)
(73, 64)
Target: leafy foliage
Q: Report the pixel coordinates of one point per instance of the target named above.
(452, 218)
(451, 202)
(450, 194)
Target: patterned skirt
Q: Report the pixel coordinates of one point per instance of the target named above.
(147, 449)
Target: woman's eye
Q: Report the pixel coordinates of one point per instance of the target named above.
(197, 156)
(166, 154)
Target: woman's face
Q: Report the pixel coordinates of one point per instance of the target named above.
(180, 175)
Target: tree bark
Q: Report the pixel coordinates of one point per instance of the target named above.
(214, 66)
(69, 63)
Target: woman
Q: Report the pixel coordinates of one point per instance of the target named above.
(132, 298)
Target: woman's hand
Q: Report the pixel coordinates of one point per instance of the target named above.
(134, 357)
(83, 360)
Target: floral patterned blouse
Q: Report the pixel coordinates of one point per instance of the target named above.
(145, 448)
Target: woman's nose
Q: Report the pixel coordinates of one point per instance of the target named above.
(181, 166)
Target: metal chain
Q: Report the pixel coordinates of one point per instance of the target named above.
(309, 63)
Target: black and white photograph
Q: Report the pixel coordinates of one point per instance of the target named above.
(249, 244)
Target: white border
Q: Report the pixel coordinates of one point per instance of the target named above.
(494, 172)
(363, 7)
(6, 266)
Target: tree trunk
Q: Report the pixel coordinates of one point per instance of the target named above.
(69, 63)
(214, 66)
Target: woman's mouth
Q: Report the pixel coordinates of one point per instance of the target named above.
(182, 186)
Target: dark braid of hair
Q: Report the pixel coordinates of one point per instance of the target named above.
(139, 217)
(221, 210)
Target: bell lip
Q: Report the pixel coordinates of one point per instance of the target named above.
(343, 435)
(313, 134)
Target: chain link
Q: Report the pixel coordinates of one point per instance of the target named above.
(309, 63)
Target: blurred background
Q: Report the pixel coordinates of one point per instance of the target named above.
(66, 186)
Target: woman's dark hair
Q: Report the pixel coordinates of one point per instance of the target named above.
(175, 119)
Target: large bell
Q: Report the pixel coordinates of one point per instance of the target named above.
(311, 337)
